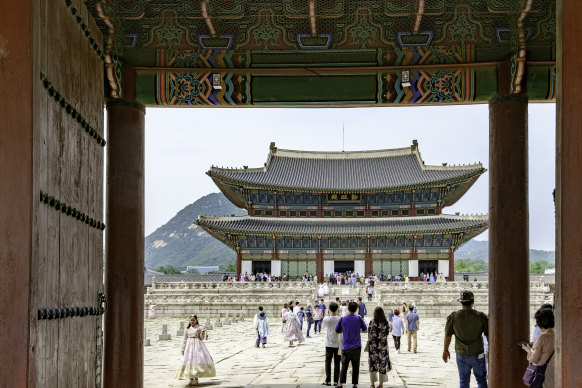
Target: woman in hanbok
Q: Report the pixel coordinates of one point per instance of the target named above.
(378, 356)
(293, 330)
(196, 360)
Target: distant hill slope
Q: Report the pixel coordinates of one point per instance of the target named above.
(479, 250)
(180, 243)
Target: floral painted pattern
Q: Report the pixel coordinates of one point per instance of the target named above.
(378, 356)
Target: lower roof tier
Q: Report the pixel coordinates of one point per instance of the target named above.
(227, 228)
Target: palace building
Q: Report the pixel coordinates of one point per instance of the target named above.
(365, 211)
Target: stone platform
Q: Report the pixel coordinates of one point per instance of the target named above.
(217, 299)
(239, 364)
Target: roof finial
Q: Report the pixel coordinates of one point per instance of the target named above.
(414, 145)
(272, 147)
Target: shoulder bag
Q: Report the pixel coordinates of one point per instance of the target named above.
(535, 375)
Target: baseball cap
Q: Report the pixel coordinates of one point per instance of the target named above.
(466, 296)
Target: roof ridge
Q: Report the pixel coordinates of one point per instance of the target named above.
(345, 219)
(362, 154)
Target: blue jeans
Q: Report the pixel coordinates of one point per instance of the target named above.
(317, 326)
(309, 323)
(465, 364)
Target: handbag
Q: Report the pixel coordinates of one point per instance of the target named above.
(535, 375)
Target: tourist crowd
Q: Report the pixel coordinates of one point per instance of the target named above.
(344, 321)
(337, 278)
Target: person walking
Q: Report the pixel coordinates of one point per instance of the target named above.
(284, 311)
(351, 326)
(396, 329)
(309, 318)
(293, 332)
(540, 354)
(413, 326)
(317, 318)
(370, 290)
(332, 344)
(196, 359)
(301, 317)
(378, 355)
(468, 325)
(261, 325)
(343, 309)
(362, 312)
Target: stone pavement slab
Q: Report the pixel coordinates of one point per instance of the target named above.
(239, 364)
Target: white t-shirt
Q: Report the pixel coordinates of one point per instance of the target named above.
(397, 326)
(343, 310)
(332, 339)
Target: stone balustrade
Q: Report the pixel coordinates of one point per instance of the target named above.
(217, 299)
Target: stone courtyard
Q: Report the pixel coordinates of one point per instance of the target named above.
(240, 364)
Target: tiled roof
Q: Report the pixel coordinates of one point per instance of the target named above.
(443, 223)
(349, 171)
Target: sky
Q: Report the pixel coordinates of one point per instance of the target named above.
(182, 144)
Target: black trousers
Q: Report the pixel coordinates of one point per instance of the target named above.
(396, 342)
(329, 354)
(353, 356)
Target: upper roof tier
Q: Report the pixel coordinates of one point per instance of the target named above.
(352, 171)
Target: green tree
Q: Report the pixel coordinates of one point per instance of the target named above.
(230, 268)
(539, 267)
(168, 269)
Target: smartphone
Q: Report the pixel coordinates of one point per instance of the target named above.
(521, 343)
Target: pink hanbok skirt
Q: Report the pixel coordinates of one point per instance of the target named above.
(196, 361)
(293, 332)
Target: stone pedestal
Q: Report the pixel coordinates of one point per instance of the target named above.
(180, 331)
(164, 336)
(218, 323)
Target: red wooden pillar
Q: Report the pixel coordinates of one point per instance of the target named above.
(508, 239)
(238, 263)
(568, 188)
(319, 267)
(16, 190)
(123, 361)
(451, 265)
(368, 263)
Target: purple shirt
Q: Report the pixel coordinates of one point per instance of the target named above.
(412, 319)
(351, 325)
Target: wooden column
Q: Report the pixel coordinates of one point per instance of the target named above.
(508, 240)
(238, 263)
(568, 188)
(16, 189)
(123, 362)
(451, 265)
(368, 263)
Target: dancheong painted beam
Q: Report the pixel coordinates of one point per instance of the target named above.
(333, 52)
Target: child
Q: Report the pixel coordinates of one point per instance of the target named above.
(317, 317)
(196, 360)
(301, 317)
(309, 318)
(261, 325)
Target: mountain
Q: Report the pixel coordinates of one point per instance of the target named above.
(181, 243)
(479, 250)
